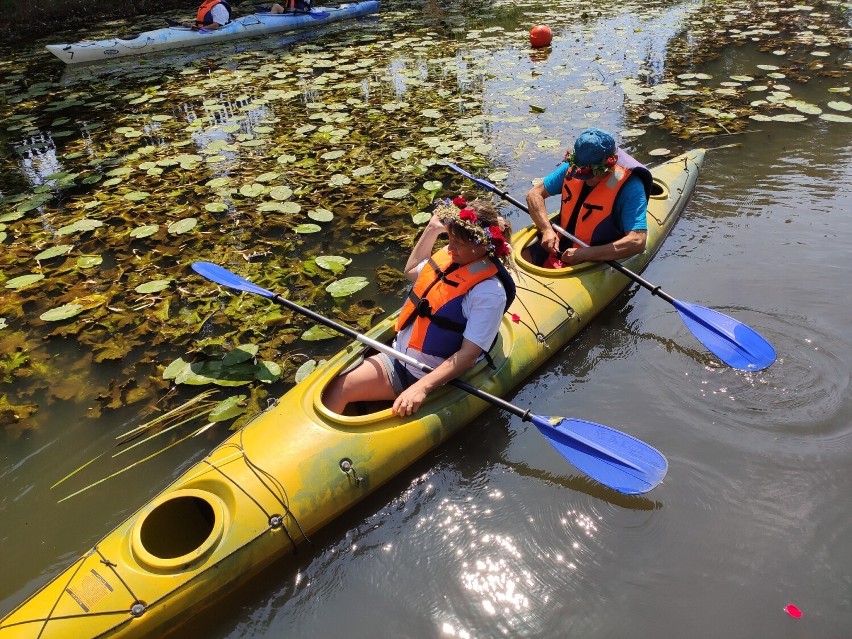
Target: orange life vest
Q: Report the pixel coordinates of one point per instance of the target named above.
(203, 16)
(435, 303)
(591, 220)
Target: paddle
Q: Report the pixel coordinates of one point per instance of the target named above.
(611, 457)
(735, 343)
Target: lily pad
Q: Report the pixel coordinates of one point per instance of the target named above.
(347, 286)
(23, 281)
(63, 312)
(318, 333)
(396, 194)
(321, 215)
(154, 286)
(216, 207)
(144, 231)
(433, 185)
(182, 226)
(228, 408)
(240, 354)
(304, 370)
(54, 251)
(334, 263)
(281, 193)
(137, 196)
(88, 261)
(308, 228)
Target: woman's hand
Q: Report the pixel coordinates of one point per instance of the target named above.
(408, 401)
(436, 224)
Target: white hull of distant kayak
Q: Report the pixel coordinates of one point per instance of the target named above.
(180, 37)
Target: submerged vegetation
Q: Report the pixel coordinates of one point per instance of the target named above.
(308, 166)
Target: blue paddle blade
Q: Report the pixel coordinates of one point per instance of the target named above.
(216, 273)
(609, 456)
(736, 344)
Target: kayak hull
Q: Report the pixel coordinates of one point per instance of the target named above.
(297, 466)
(257, 24)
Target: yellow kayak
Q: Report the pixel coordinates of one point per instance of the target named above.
(296, 466)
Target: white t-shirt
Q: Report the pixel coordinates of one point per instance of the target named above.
(219, 14)
(485, 303)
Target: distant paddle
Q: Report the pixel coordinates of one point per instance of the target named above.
(609, 456)
(735, 343)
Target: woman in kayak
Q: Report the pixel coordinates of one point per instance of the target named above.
(604, 202)
(211, 15)
(451, 316)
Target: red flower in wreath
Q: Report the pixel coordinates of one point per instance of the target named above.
(610, 162)
(496, 234)
(460, 202)
(468, 214)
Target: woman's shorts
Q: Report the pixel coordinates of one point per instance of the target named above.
(399, 376)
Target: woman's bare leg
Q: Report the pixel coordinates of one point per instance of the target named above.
(367, 383)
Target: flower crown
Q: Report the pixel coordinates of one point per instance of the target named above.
(589, 171)
(458, 214)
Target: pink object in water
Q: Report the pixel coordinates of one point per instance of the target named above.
(793, 611)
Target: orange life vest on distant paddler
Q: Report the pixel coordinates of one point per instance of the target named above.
(203, 16)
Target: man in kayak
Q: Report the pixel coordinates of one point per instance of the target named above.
(211, 15)
(604, 203)
(451, 316)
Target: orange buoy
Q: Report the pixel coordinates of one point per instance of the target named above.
(540, 36)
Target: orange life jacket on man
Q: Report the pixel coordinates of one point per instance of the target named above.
(203, 16)
(591, 220)
(435, 303)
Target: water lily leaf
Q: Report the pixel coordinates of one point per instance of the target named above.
(281, 193)
(34, 202)
(3, 324)
(278, 207)
(154, 286)
(421, 218)
(240, 354)
(396, 194)
(433, 185)
(839, 105)
(305, 369)
(228, 408)
(11, 217)
(144, 231)
(835, 117)
(137, 196)
(548, 144)
(173, 369)
(659, 151)
(88, 261)
(252, 190)
(267, 372)
(318, 333)
(363, 170)
(80, 226)
(63, 312)
(54, 251)
(308, 228)
(263, 178)
(321, 215)
(333, 155)
(431, 113)
(347, 286)
(216, 207)
(338, 179)
(182, 226)
(334, 263)
(23, 281)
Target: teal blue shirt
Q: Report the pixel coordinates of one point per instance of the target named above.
(630, 206)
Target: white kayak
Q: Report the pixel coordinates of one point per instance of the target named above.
(175, 37)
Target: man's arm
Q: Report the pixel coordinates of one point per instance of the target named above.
(631, 244)
(538, 212)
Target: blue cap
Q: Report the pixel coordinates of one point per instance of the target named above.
(593, 146)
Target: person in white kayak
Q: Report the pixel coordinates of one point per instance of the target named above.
(211, 15)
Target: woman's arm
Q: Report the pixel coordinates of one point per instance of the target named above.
(455, 365)
(423, 249)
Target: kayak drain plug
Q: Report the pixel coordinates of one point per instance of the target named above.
(138, 609)
(347, 467)
(275, 521)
